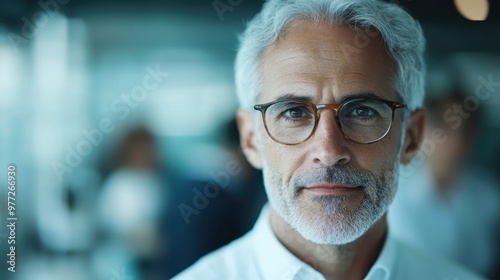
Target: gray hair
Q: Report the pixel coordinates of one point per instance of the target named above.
(401, 33)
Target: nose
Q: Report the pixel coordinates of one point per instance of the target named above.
(329, 147)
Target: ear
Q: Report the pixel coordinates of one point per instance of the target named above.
(414, 136)
(248, 138)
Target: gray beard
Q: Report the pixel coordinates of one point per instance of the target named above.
(331, 219)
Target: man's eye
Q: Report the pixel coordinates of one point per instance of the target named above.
(295, 113)
(363, 112)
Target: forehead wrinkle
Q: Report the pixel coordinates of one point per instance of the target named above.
(285, 58)
(303, 86)
(311, 61)
(355, 74)
(297, 56)
(291, 50)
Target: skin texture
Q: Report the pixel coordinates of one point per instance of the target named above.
(316, 60)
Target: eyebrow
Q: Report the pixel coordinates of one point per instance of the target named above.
(294, 96)
(346, 98)
(368, 94)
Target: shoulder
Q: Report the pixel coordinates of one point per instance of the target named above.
(415, 264)
(229, 262)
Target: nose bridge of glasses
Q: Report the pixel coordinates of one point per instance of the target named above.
(333, 107)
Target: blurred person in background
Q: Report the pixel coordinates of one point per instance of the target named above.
(329, 174)
(446, 204)
(131, 208)
(215, 224)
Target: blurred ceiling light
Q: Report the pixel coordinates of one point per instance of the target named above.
(473, 9)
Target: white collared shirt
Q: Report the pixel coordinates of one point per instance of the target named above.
(260, 255)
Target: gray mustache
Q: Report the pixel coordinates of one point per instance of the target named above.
(335, 175)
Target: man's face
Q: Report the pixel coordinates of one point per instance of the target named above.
(329, 189)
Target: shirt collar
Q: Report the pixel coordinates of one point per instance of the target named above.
(276, 262)
(386, 261)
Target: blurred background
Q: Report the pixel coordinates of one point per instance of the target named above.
(119, 118)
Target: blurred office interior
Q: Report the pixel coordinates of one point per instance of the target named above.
(85, 84)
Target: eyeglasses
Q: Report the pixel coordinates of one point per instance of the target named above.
(362, 120)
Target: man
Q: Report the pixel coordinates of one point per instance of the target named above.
(338, 85)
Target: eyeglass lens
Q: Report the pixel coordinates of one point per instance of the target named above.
(362, 121)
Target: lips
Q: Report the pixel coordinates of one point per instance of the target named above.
(332, 189)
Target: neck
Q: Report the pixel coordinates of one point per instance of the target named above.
(348, 261)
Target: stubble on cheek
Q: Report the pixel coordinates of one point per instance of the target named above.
(283, 181)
